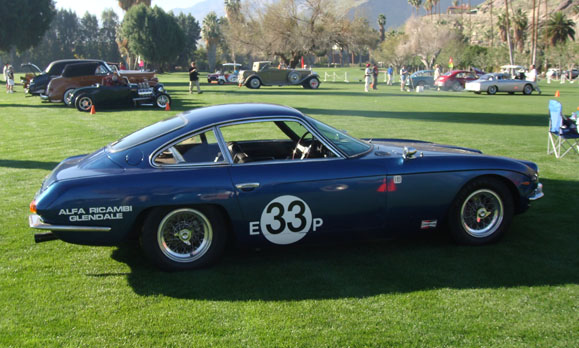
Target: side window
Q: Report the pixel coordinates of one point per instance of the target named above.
(101, 70)
(201, 148)
(272, 141)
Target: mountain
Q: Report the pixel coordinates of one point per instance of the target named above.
(396, 11)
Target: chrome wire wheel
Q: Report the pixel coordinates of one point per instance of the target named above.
(67, 99)
(162, 100)
(482, 213)
(184, 235)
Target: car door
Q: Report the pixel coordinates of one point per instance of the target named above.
(310, 199)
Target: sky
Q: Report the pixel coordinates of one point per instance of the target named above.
(96, 7)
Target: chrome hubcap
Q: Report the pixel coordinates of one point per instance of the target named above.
(482, 213)
(184, 235)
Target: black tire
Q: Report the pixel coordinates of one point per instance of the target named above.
(311, 83)
(83, 103)
(253, 83)
(481, 212)
(183, 238)
(67, 97)
(220, 82)
(456, 87)
(492, 90)
(161, 100)
(528, 89)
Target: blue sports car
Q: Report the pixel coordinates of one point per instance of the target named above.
(262, 174)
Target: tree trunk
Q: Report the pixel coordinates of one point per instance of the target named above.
(511, 58)
(492, 27)
(535, 39)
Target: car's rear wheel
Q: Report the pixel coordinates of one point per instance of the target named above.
(84, 103)
(528, 89)
(492, 90)
(67, 98)
(183, 238)
(162, 100)
(254, 83)
(457, 87)
(481, 212)
(220, 82)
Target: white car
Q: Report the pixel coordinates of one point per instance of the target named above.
(501, 82)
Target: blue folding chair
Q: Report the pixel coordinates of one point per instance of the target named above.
(561, 141)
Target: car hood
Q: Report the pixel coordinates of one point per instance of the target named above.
(96, 164)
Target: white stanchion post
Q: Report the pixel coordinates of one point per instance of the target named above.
(334, 77)
(346, 77)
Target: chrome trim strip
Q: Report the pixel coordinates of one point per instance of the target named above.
(538, 193)
(35, 221)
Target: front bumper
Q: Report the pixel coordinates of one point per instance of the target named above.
(35, 221)
(538, 193)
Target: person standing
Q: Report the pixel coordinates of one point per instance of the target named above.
(194, 78)
(375, 77)
(403, 77)
(436, 72)
(10, 79)
(531, 75)
(390, 72)
(367, 77)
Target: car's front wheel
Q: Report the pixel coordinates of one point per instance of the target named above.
(67, 98)
(84, 103)
(492, 90)
(162, 100)
(312, 83)
(481, 212)
(254, 83)
(457, 87)
(528, 89)
(183, 238)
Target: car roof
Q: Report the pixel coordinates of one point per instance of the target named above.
(217, 114)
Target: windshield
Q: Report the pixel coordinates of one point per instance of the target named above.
(148, 133)
(349, 145)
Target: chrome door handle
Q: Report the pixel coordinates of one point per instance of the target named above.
(246, 187)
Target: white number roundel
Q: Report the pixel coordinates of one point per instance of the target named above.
(286, 220)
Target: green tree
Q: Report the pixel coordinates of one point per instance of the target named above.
(127, 4)
(88, 43)
(212, 36)
(153, 34)
(416, 4)
(108, 48)
(520, 25)
(382, 25)
(559, 29)
(192, 33)
(24, 22)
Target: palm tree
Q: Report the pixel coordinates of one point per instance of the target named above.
(520, 24)
(492, 26)
(559, 29)
(211, 31)
(127, 4)
(382, 24)
(232, 9)
(428, 5)
(508, 28)
(416, 4)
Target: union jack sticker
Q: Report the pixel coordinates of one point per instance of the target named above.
(428, 224)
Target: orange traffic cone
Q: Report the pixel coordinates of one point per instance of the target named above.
(557, 94)
(92, 110)
(167, 107)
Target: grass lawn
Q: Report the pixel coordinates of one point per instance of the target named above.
(423, 292)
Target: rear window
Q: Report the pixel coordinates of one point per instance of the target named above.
(148, 133)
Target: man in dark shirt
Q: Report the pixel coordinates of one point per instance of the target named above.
(194, 78)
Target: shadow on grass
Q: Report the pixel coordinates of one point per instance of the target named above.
(539, 250)
(452, 117)
(27, 164)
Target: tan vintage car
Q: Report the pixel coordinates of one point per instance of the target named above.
(87, 74)
(264, 74)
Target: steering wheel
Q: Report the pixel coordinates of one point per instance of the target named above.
(304, 150)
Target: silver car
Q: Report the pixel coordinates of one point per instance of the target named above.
(501, 82)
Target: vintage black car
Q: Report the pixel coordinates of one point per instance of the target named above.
(120, 95)
(38, 83)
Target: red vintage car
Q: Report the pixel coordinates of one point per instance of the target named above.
(455, 79)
